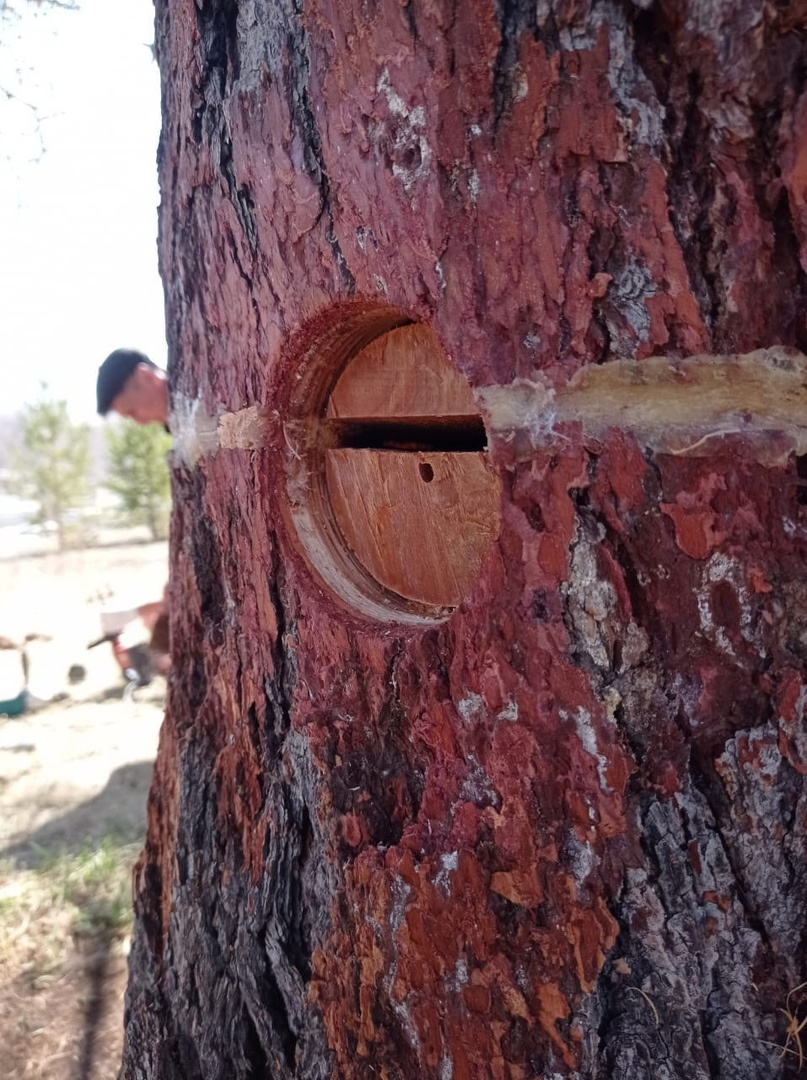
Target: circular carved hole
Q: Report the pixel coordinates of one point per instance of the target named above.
(391, 492)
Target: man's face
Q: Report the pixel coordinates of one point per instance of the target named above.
(144, 397)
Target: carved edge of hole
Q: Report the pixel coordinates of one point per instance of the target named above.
(333, 340)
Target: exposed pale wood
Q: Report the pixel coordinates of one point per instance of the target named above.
(402, 373)
(418, 522)
(423, 539)
(677, 406)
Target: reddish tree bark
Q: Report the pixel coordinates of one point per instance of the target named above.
(561, 832)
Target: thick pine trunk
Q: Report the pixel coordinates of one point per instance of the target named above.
(561, 832)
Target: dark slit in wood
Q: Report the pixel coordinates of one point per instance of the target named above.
(453, 434)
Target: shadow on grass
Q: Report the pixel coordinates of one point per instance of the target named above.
(153, 692)
(81, 863)
(93, 1011)
(119, 811)
(111, 693)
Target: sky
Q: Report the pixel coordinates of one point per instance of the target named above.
(78, 198)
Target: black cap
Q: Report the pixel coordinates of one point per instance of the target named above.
(114, 372)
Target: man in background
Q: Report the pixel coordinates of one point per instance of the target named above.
(133, 386)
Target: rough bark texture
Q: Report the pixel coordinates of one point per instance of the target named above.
(563, 832)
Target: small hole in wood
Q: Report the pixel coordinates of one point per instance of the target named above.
(426, 472)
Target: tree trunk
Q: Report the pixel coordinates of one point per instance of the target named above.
(558, 830)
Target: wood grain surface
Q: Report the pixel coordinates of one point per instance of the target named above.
(403, 373)
(421, 524)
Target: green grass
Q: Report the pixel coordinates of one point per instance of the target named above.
(67, 897)
(96, 885)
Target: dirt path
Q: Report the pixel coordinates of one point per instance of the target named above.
(75, 773)
(74, 778)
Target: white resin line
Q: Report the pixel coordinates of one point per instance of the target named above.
(671, 406)
(667, 405)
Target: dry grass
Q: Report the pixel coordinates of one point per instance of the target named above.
(73, 783)
(42, 911)
(796, 1024)
(64, 933)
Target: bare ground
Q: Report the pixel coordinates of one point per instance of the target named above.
(74, 777)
